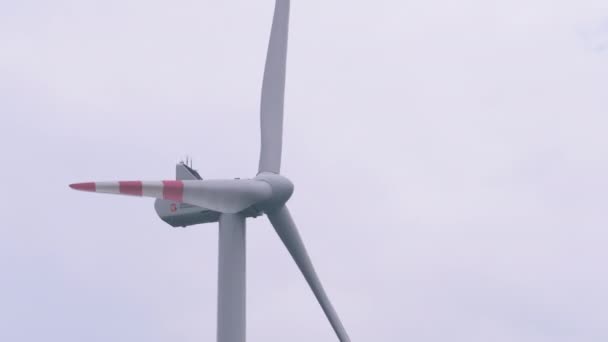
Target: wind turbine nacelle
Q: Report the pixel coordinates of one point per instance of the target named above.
(183, 214)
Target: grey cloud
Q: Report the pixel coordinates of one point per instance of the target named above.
(595, 35)
(469, 141)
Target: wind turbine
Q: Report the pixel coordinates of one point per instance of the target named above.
(191, 200)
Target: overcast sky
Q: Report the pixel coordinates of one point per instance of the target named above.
(450, 162)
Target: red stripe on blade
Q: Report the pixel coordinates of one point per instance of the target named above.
(133, 188)
(90, 186)
(173, 190)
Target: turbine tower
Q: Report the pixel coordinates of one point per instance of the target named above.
(190, 200)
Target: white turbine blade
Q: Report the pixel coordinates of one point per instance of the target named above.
(288, 232)
(231, 292)
(225, 196)
(273, 91)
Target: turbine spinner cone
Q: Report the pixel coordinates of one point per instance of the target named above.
(282, 189)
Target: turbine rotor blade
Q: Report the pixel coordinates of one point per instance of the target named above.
(288, 232)
(223, 195)
(273, 91)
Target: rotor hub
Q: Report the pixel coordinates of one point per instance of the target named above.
(282, 189)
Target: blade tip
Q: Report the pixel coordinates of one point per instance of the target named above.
(88, 186)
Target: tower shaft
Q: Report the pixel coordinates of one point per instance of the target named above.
(231, 326)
